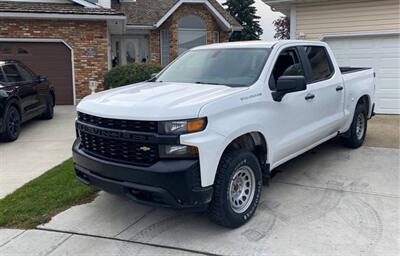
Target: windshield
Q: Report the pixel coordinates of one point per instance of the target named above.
(232, 67)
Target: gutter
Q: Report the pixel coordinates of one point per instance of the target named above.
(62, 16)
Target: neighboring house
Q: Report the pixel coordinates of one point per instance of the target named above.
(74, 42)
(161, 30)
(360, 33)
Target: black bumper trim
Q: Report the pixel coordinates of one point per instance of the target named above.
(169, 183)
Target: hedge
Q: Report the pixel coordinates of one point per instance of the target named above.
(130, 74)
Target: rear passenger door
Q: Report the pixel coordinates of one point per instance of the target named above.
(326, 86)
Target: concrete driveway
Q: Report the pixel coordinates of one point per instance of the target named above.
(330, 201)
(41, 145)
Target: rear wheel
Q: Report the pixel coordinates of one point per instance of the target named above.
(12, 124)
(237, 189)
(49, 112)
(355, 136)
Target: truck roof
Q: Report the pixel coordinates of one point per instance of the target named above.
(257, 44)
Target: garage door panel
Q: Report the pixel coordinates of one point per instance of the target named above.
(52, 60)
(382, 53)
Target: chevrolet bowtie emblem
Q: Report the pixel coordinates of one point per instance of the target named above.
(144, 148)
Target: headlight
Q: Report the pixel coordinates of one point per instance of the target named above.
(183, 126)
(178, 151)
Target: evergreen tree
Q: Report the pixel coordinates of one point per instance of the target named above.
(244, 12)
(282, 28)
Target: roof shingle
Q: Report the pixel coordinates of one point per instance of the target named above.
(54, 8)
(148, 13)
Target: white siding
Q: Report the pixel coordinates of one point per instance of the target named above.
(340, 16)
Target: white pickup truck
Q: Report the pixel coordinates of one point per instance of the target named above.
(206, 132)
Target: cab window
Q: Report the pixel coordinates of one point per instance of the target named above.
(12, 74)
(26, 74)
(287, 64)
(321, 67)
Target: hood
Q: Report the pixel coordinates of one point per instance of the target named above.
(154, 101)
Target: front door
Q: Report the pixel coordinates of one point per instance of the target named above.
(295, 113)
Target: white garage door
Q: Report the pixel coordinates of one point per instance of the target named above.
(379, 52)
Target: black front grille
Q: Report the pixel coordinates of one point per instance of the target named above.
(119, 124)
(119, 151)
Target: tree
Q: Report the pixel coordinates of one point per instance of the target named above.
(282, 28)
(245, 14)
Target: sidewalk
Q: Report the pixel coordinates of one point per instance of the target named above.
(40, 242)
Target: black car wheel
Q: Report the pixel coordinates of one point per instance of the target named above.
(12, 124)
(237, 189)
(49, 112)
(355, 136)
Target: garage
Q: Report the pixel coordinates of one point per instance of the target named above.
(382, 53)
(50, 59)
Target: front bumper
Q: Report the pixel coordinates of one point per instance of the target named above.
(168, 183)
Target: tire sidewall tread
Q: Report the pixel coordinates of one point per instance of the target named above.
(220, 210)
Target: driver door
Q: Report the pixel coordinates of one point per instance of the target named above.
(295, 113)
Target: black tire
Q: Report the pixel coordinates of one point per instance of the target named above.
(12, 124)
(355, 136)
(49, 112)
(221, 209)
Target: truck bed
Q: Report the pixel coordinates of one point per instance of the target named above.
(346, 70)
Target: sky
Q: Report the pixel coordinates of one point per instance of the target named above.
(267, 17)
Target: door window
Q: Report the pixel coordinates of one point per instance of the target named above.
(12, 73)
(321, 67)
(287, 64)
(130, 52)
(26, 74)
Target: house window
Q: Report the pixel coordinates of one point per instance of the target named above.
(165, 47)
(215, 37)
(192, 32)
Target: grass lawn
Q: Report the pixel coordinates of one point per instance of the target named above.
(40, 199)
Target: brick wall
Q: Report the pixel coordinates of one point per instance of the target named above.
(172, 25)
(80, 35)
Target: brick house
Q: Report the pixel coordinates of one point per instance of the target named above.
(74, 42)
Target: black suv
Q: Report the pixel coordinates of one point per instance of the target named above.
(23, 96)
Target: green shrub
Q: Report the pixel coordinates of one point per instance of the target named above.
(129, 74)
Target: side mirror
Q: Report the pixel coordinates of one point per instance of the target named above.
(153, 77)
(41, 78)
(288, 84)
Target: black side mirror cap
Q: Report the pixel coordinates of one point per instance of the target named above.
(288, 84)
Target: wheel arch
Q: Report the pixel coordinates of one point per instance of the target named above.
(365, 99)
(53, 95)
(255, 142)
(14, 101)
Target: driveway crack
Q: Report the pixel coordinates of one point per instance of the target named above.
(129, 241)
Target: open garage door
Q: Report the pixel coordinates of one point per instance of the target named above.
(52, 60)
(382, 53)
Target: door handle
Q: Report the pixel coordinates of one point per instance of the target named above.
(339, 88)
(310, 96)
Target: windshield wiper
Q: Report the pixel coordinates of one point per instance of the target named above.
(208, 83)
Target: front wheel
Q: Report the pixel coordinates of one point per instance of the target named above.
(237, 189)
(12, 124)
(355, 136)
